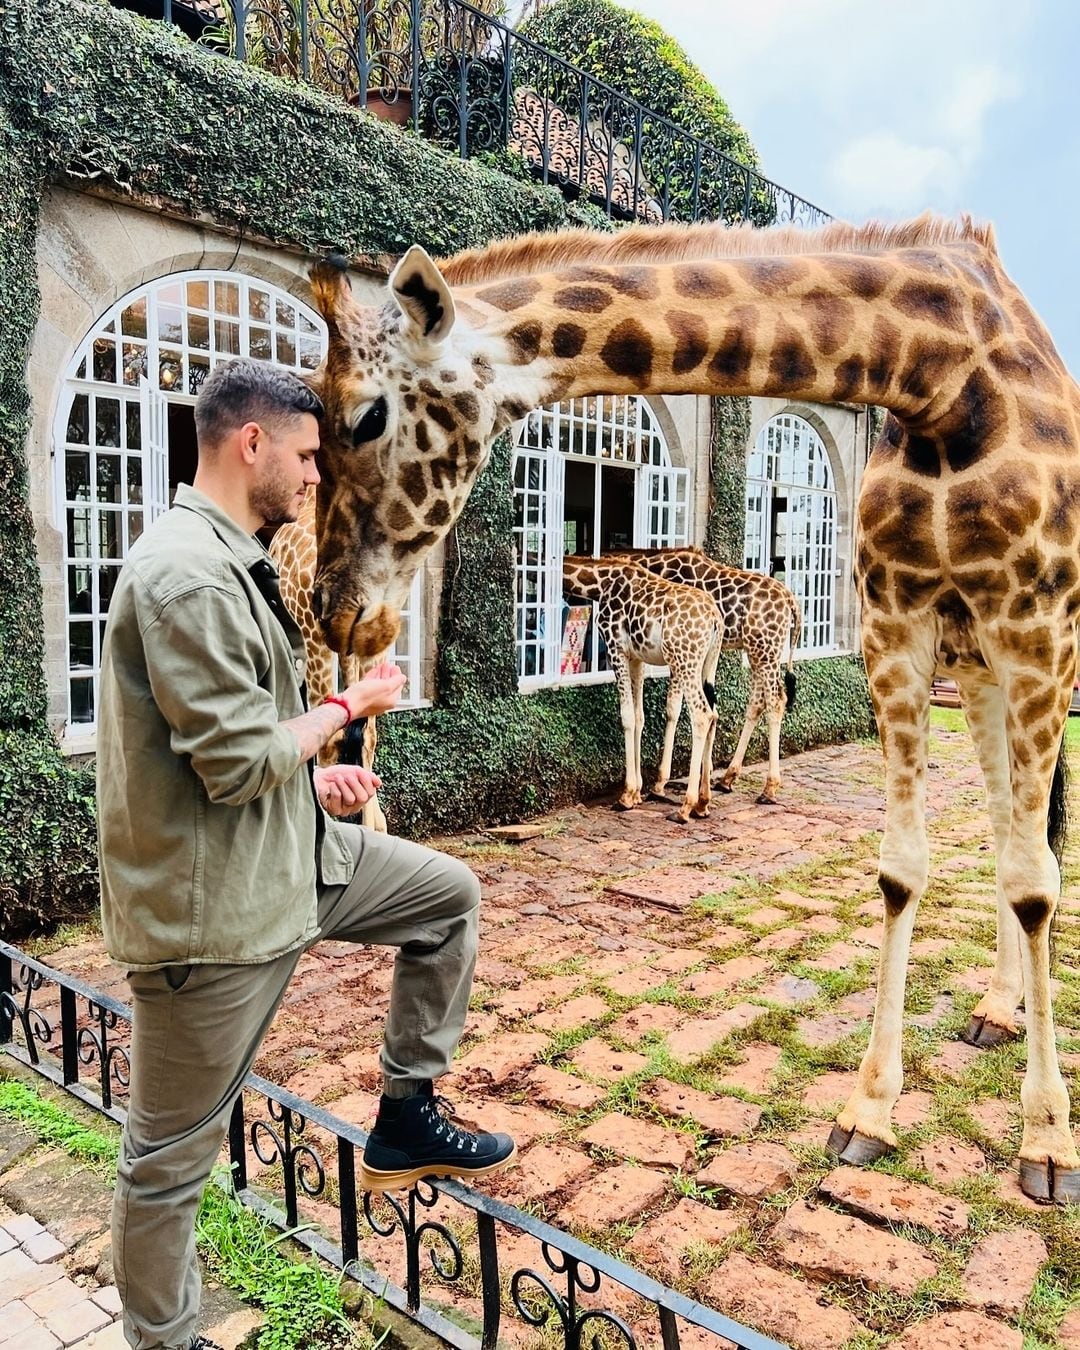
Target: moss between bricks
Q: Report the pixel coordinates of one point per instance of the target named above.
(88, 92)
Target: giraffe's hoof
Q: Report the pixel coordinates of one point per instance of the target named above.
(855, 1149)
(986, 1035)
(1049, 1185)
(678, 818)
(766, 800)
(622, 806)
(655, 796)
(724, 787)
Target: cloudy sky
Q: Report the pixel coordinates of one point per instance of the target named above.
(887, 107)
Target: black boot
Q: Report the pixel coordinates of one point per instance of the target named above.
(203, 1343)
(414, 1137)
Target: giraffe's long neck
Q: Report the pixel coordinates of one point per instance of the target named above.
(890, 329)
(581, 576)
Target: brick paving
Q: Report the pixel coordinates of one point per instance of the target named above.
(40, 1307)
(670, 1015)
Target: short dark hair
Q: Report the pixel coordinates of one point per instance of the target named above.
(244, 390)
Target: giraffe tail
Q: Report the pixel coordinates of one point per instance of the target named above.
(352, 744)
(1057, 819)
(789, 674)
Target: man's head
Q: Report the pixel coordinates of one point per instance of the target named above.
(258, 433)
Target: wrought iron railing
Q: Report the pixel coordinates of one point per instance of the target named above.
(460, 77)
(305, 1151)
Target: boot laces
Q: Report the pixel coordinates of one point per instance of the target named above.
(441, 1112)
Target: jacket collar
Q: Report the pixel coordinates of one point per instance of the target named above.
(248, 549)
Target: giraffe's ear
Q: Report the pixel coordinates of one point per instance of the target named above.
(330, 286)
(423, 296)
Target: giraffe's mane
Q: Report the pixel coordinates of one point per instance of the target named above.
(532, 253)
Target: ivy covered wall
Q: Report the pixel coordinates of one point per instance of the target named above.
(90, 93)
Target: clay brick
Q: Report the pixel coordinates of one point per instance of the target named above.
(576, 1012)
(706, 983)
(646, 1017)
(697, 1036)
(1002, 1269)
(751, 1171)
(60, 1293)
(596, 1058)
(675, 887)
(1069, 1331)
(829, 1088)
(722, 1117)
(636, 981)
(641, 1140)
(912, 1108)
(616, 1195)
(522, 1123)
(766, 917)
(959, 1331)
(829, 1028)
(948, 1161)
(828, 1246)
(887, 1199)
(20, 1276)
(789, 991)
(664, 1241)
(500, 1058)
(540, 1171)
(108, 1299)
(955, 1058)
(779, 1305)
(756, 1069)
(77, 1320)
(552, 1087)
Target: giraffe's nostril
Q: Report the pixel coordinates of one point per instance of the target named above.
(317, 601)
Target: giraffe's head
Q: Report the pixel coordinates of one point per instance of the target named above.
(409, 419)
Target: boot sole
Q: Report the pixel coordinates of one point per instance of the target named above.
(373, 1180)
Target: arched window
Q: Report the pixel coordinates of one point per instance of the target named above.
(791, 521)
(125, 435)
(592, 476)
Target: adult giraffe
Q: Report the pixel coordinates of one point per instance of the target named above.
(968, 520)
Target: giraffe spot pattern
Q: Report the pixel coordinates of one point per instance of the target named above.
(582, 299)
(935, 302)
(567, 340)
(792, 364)
(510, 295)
(468, 406)
(975, 424)
(441, 415)
(628, 351)
(699, 282)
(772, 276)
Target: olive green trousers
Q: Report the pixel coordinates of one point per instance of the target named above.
(197, 1031)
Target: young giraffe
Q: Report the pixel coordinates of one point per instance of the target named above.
(968, 519)
(293, 549)
(645, 620)
(761, 617)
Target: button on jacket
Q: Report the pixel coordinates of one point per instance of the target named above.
(210, 834)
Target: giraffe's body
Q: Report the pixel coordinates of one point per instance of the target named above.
(761, 617)
(647, 620)
(968, 518)
(293, 548)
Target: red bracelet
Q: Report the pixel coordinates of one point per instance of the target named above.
(336, 698)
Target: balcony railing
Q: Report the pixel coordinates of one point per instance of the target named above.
(443, 1235)
(463, 79)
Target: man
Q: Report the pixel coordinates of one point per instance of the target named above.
(221, 860)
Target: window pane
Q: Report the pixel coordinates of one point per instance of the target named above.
(169, 329)
(82, 701)
(109, 541)
(286, 314)
(134, 362)
(134, 428)
(82, 644)
(170, 369)
(133, 319)
(107, 579)
(226, 297)
(107, 421)
(310, 353)
(259, 344)
(105, 360)
(77, 475)
(198, 294)
(259, 305)
(199, 332)
(135, 528)
(286, 349)
(108, 478)
(134, 481)
(226, 338)
(78, 533)
(78, 427)
(79, 595)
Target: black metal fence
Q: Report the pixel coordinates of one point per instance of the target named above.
(462, 78)
(441, 1239)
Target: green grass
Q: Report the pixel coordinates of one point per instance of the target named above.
(301, 1302)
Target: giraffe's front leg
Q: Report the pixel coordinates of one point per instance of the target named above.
(863, 1129)
(371, 813)
(631, 793)
(1031, 880)
(774, 712)
(993, 1020)
(674, 708)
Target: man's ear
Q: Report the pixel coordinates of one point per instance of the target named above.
(423, 297)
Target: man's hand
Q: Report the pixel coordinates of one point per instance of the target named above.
(377, 692)
(344, 788)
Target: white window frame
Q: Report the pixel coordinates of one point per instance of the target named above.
(176, 340)
(605, 429)
(789, 460)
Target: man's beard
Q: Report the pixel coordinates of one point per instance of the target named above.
(273, 498)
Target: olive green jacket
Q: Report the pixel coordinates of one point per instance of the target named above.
(208, 825)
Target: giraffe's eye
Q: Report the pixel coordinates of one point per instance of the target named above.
(372, 425)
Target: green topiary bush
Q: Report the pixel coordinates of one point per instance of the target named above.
(637, 58)
(48, 844)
